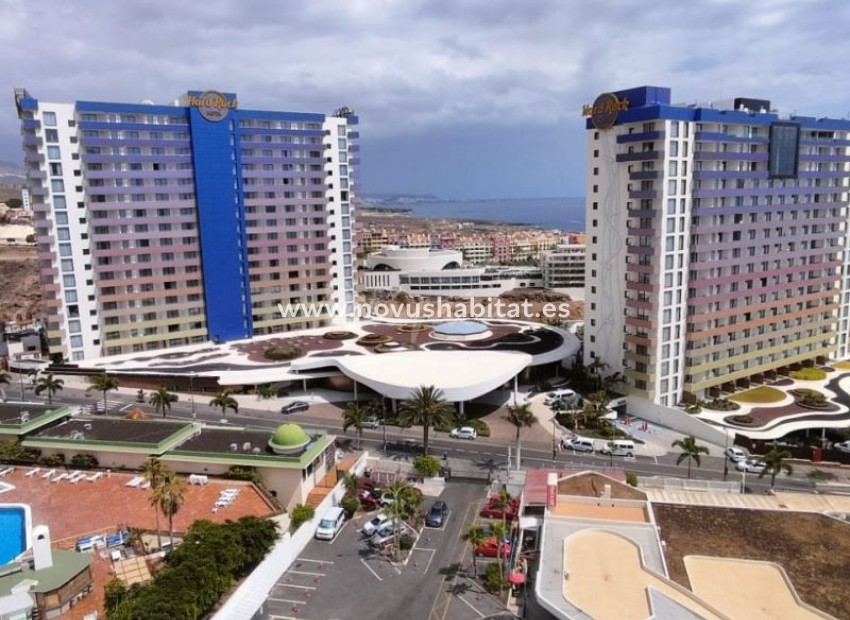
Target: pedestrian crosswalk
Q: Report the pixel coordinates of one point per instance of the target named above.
(112, 406)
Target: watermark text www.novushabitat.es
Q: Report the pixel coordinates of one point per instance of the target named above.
(474, 308)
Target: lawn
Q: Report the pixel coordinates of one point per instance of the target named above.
(813, 549)
(762, 395)
(842, 365)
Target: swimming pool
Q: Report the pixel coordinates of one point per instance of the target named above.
(14, 531)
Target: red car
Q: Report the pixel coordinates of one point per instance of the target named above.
(492, 549)
(494, 510)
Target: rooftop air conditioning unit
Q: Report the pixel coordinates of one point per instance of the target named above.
(234, 447)
(246, 446)
(87, 427)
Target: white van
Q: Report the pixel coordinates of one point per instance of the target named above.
(559, 395)
(331, 523)
(579, 444)
(619, 447)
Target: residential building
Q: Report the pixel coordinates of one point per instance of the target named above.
(716, 241)
(163, 225)
(563, 266)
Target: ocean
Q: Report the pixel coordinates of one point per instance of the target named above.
(563, 213)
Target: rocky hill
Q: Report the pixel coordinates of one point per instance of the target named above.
(20, 290)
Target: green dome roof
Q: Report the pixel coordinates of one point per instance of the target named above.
(290, 435)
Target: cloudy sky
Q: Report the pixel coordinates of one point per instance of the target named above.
(459, 98)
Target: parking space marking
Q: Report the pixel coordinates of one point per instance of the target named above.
(305, 572)
(333, 540)
(470, 605)
(430, 558)
(294, 585)
(377, 576)
(287, 600)
(316, 561)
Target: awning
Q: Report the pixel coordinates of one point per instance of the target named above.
(530, 523)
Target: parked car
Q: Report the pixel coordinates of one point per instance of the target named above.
(563, 395)
(437, 515)
(367, 499)
(371, 422)
(736, 454)
(294, 407)
(619, 447)
(464, 432)
(579, 444)
(496, 511)
(751, 466)
(843, 446)
(374, 524)
(492, 548)
(383, 535)
(331, 523)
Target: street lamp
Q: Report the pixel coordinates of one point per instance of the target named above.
(554, 440)
(726, 455)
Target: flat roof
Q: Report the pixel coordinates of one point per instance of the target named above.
(216, 444)
(149, 435)
(603, 509)
(66, 566)
(10, 413)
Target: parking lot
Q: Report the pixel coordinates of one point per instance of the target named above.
(343, 579)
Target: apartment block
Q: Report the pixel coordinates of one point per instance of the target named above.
(717, 242)
(164, 225)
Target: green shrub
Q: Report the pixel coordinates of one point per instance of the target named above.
(480, 427)
(350, 504)
(238, 472)
(14, 452)
(405, 542)
(808, 374)
(427, 465)
(54, 460)
(301, 514)
(83, 461)
(693, 409)
(282, 353)
(494, 581)
(631, 479)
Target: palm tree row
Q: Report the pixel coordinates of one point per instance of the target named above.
(167, 494)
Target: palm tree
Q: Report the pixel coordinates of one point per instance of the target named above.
(48, 384)
(224, 400)
(426, 407)
(595, 407)
(691, 451)
(775, 464)
(404, 502)
(161, 399)
(521, 417)
(154, 471)
(355, 415)
(170, 496)
(103, 383)
(474, 537)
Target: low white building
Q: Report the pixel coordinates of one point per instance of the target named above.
(440, 272)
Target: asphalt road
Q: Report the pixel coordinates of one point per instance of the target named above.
(483, 453)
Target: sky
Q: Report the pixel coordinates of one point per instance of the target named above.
(456, 98)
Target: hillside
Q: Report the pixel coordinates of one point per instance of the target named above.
(21, 298)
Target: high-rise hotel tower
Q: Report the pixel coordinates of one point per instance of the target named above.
(164, 225)
(717, 242)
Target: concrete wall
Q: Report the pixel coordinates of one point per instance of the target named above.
(676, 419)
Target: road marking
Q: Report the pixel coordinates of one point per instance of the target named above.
(430, 559)
(304, 572)
(463, 600)
(287, 600)
(445, 597)
(292, 585)
(125, 407)
(377, 576)
(316, 561)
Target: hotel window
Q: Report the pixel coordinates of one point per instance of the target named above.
(53, 152)
(49, 119)
(56, 169)
(76, 342)
(674, 148)
(57, 185)
(51, 135)
(71, 296)
(65, 250)
(674, 129)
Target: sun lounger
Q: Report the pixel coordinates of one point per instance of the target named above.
(145, 485)
(135, 482)
(95, 477)
(48, 474)
(33, 472)
(222, 503)
(60, 478)
(74, 479)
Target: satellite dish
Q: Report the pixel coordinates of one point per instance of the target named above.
(146, 102)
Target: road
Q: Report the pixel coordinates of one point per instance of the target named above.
(401, 443)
